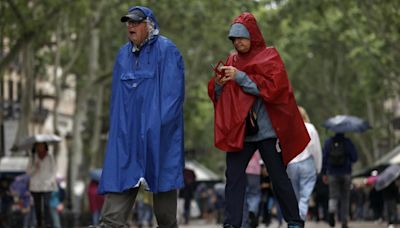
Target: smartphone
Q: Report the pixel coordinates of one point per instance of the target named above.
(217, 68)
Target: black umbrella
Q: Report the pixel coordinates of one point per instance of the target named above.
(346, 123)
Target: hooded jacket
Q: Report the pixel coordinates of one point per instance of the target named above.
(264, 67)
(146, 117)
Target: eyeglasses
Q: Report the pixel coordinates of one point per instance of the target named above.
(132, 23)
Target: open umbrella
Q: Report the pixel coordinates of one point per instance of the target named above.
(371, 180)
(346, 123)
(388, 175)
(20, 184)
(27, 143)
(95, 174)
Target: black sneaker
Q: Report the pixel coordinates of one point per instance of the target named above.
(253, 221)
(229, 226)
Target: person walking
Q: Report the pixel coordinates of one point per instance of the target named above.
(390, 196)
(253, 85)
(304, 168)
(95, 200)
(339, 154)
(252, 196)
(42, 172)
(145, 141)
(56, 206)
(188, 193)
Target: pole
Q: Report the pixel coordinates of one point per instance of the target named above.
(2, 141)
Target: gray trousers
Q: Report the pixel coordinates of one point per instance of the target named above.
(118, 206)
(339, 190)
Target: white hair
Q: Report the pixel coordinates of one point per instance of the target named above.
(151, 28)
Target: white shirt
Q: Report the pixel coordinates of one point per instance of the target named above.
(313, 149)
(43, 175)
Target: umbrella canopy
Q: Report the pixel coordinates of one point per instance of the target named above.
(391, 157)
(371, 180)
(202, 173)
(95, 174)
(27, 143)
(20, 184)
(345, 123)
(389, 175)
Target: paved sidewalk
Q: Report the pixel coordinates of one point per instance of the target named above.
(202, 224)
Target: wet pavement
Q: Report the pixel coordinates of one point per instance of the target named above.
(309, 224)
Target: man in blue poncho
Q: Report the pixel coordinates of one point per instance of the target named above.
(145, 144)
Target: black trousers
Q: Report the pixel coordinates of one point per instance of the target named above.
(41, 201)
(236, 163)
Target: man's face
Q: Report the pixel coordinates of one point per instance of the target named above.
(242, 45)
(137, 31)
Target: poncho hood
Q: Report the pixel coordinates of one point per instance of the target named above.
(256, 38)
(149, 14)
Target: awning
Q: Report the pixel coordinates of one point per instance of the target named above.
(202, 173)
(13, 165)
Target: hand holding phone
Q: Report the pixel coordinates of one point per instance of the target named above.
(219, 72)
(229, 73)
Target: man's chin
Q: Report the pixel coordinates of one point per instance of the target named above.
(133, 40)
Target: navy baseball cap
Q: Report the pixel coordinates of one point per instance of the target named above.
(135, 15)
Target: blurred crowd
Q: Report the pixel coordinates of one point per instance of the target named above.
(205, 200)
(366, 203)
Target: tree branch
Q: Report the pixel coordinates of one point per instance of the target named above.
(17, 13)
(27, 36)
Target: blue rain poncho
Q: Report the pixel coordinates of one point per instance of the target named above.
(146, 117)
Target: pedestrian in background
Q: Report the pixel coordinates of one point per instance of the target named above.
(339, 154)
(304, 168)
(255, 109)
(42, 172)
(56, 206)
(145, 140)
(95, 201)
(188, 192)
(252, 197)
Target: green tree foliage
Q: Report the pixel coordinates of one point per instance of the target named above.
(341, 56)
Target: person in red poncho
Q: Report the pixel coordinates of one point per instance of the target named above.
(255, 109)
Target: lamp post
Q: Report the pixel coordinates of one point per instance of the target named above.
(2, 141)
(68, 138)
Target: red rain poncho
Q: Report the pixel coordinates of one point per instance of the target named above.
(264, 66)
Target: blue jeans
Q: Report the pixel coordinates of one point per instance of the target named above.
(252, 198)
(303, 176)
(96, 217)
(55, 217)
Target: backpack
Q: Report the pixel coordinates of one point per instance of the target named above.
(337, 155)
(251, 124)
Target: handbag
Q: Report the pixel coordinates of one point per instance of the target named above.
(251, 123)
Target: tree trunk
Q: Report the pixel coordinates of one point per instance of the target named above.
(77, 148)
(98, 98)
(27, 94)
(57, 81)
